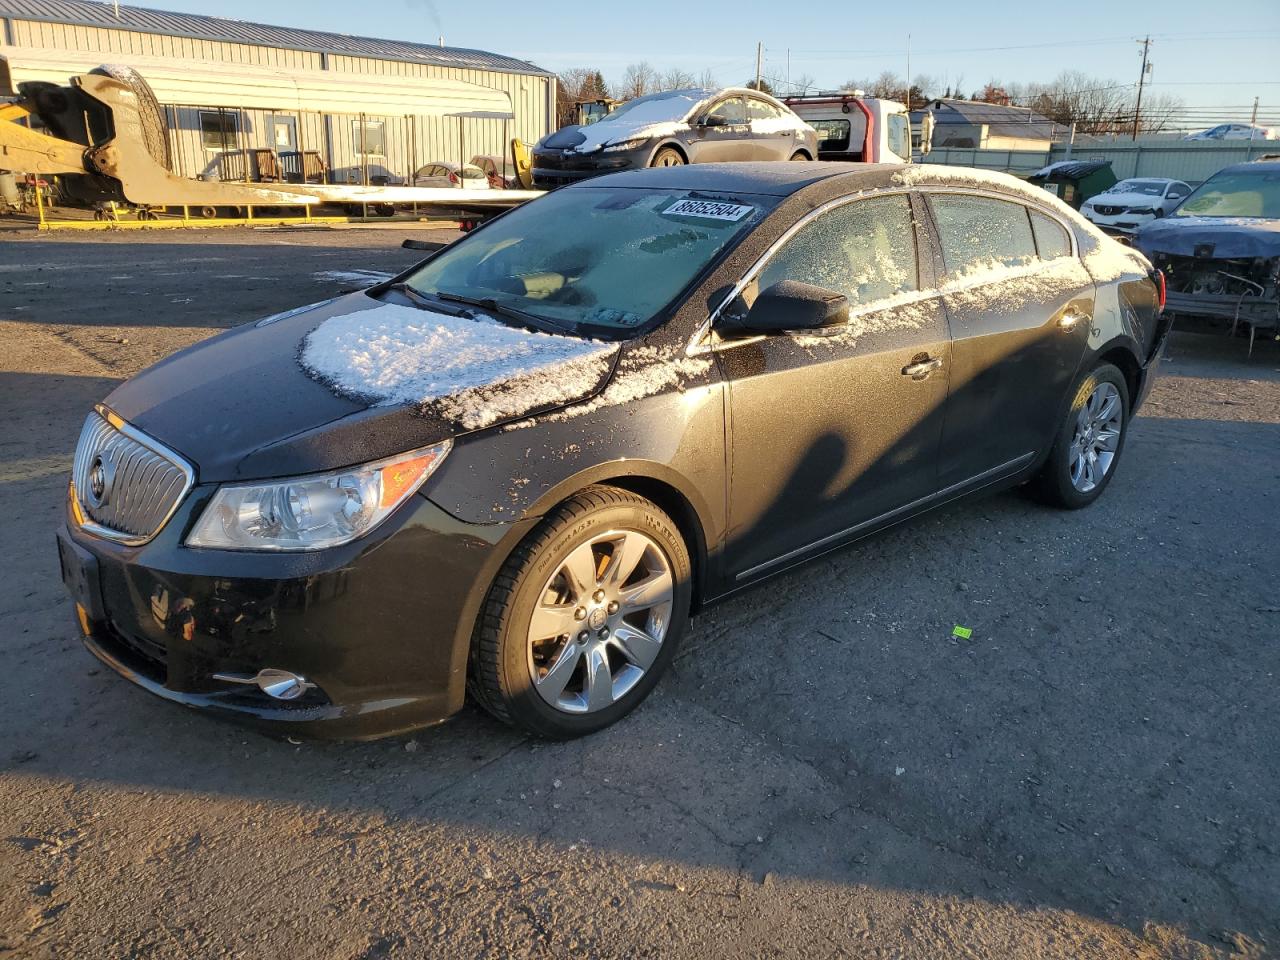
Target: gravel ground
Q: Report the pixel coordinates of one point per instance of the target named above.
(826, 772)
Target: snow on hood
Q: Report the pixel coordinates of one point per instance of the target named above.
(1108, 199)
(476, 372)
(1230, 237)
(656, 118)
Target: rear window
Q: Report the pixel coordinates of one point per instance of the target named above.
(981, 232)
(473, 173)
(832, 134)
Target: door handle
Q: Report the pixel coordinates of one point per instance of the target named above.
(919, 369)
(1070, 317)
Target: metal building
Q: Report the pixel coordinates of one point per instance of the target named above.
(252, 101)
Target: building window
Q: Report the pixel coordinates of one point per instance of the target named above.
(219, 130)
(374, 142)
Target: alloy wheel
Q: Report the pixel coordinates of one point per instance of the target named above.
(1097, 437)
(600, 621)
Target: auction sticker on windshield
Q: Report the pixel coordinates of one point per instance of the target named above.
(708, 210)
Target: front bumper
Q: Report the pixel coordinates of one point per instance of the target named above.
(1126, 223)
(554, 168)
(381, 626)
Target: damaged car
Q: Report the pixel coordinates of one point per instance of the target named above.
(674, 128)
(518, 469)
(1220, 250)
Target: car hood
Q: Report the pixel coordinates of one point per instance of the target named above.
(642, 122)
(1125, 200)
(1228, 237)
(348, 381)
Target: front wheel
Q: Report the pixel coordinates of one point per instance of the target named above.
(799, 155)
(584, 617)
(668, 157)
(1087, 448)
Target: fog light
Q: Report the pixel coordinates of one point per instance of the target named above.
(277, 684)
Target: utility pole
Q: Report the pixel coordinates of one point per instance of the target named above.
(1253, 119)
(1142, 79)
(759, 62)
(908, 73)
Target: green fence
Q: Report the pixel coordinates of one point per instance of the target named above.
(1189, 160)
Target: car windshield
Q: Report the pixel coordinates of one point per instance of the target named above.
(672, 105)
(1235, 193)
(596, 261)
(1148, 188)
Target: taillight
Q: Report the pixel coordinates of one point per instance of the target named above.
(1160, 287)
(453, 178)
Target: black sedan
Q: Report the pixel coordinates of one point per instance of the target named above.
(518, 468)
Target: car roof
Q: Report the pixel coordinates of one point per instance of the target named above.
(1262, 166)
(772, 178)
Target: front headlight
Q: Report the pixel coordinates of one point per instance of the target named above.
(634, 144)
(314, 512)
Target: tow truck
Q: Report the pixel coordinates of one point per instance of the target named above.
(854, 127)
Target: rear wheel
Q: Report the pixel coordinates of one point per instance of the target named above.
(584, 617)
(1089, 443)
(799, 155)
(668, 157)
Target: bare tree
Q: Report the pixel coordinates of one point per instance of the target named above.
(1096, 106)
(708, 81)
(575, 86)
(638, 80)
(675, 79)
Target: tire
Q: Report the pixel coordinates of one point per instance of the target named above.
(1067, 480)
(800, 155)
(668, 157)
(155, 132)
(569, 698)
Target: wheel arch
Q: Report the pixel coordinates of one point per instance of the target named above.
(675, 145)
(1122, 355)
(803, 151)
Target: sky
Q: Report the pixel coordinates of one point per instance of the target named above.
(1216, 63)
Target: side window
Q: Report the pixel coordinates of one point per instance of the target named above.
(731, 111)
(980, 232)
(865, 249)
(1052, 241)
(900, 135)
(759, 110)
(832, 134)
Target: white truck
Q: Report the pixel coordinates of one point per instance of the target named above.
(859, 128)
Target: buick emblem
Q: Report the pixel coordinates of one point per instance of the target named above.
(101, 475)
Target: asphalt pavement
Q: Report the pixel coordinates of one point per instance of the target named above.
(827, 772)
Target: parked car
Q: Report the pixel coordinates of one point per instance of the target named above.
(520, 466)
(672, 129)
(499, 171)
(1221, 248)
(445, 173)
(1235, 131)
(1129, 204)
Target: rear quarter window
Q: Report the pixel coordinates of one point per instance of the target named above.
(1052, 241)
(981, 232)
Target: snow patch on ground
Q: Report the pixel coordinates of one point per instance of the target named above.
(473, 371)
(365, 278)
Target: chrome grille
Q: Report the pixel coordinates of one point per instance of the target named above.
(138, 487)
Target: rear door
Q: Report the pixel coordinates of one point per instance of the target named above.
(725, 133)
(1020, 304)
(829, 433)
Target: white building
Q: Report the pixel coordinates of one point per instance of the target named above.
(371, 110)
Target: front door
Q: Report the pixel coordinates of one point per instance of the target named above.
(827, 434)
(724, 133)
(773, 133)
(1021, 306)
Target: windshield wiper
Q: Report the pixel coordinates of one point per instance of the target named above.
(502, 310)
(419, 298)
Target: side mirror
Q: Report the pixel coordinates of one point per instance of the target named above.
(790, 305)
(714, 120)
